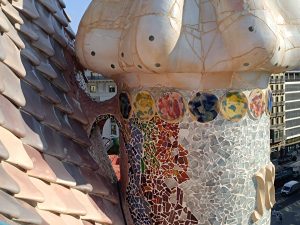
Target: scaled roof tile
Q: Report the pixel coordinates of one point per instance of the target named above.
(54, 140)
(72, 155)
(81, 182)
(3, 53)
(4, 27)
(58, 58)
(3, 152)
(62, 3)
(31, 75)
(12, 58)
(59, 14)
(64, 104)
(49, 218)
(44, 21)
(27, 29)
(63, 176)
(70, 220)
(30, 53)
(7, 221)
(11, 86)
(51, 119)
(27, 7)
(81, 134)
(48, 91)
(112, 211)
(85, 222)
(28, 214)
(60, 82)
(17, 153)
(14, 36)
(10, 117)
(66, 129)
(52, 202)
(42, 147)
(87, 159)
(73, 206)
(27, 190)
(7, 183)
(9, 205)
(41, 169)
(94, 213)
(34, 134)
(12, 12)
(32, 100)
(98, 183)
(78, 114)
(45, 67)
(49, 4)
(43, 43)
(59, 34)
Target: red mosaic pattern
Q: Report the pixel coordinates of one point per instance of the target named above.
(164, 167)
(170, 106)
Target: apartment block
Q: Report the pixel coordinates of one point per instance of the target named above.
(277, 117)
(292, 110)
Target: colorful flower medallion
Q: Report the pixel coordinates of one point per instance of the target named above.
(234, 105)
(269, 101)
(256, 103)
(170, 106)
(124, 104)
(144, 106)
(204, 107)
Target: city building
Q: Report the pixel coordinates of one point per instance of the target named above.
(99, 87)
(292, 111)
(277, 117)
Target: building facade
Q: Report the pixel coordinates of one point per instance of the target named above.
(292, 111)
(100, 89)
(277, 117)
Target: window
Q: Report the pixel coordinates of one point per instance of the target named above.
(93, 88)
(111, 89)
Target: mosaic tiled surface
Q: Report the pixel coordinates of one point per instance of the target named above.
(158, 164)
(257, 103)
(125, 105)
(233, 106)
(144, 105)
(170, 106)
(195, 173)
(204, 107)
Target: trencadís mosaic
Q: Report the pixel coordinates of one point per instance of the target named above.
(204, 107)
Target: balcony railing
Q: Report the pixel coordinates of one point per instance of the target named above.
(278, 92)
(277, 81)
(277, 114)
(276, 126)
(278, 103)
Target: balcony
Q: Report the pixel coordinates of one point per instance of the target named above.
(278, 92)
(277, 126)
(277, 81)
(277, 114)
(279, 103)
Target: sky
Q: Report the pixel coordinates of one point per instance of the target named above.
(76, 9)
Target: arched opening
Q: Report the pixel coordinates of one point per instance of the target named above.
(105, 137)
(97, 87)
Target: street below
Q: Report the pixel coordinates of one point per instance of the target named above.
(289, 206)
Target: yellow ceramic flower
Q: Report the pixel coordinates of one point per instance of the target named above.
(144, 105)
